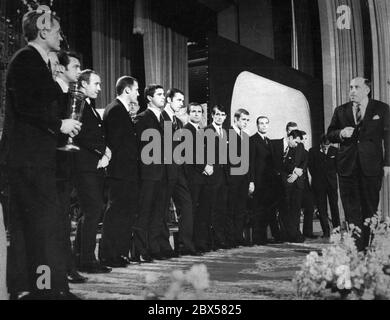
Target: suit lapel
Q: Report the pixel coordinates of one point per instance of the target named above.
(369, 112)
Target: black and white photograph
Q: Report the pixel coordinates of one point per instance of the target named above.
(195, 154)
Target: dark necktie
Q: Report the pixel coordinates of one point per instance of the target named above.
(174, 121)
(286, 152)
(358, 114)
(161, 121)
(49, 66)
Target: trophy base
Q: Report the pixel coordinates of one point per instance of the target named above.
(69, 148)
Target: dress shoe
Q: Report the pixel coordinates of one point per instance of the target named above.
(310, 236)
(146, 258)
(157, 256)
(189, 252)
(114, 263)
(94, 267)
(75, 277)
(66, 296)
(170, 254)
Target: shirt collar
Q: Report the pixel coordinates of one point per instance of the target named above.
(195, 125)
(363, 103)
(42, 52)
(156, 111)
(88, 100)
(124, 103)
(169, 111)
(261, 135)
(217, 128)
(64, 86)
(285, 143)
(238, 131)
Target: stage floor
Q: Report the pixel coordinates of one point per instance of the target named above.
(245, 273)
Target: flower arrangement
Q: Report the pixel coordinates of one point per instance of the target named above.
(341, 268)
(197, 278)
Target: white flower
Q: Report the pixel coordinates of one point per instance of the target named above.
(344, 277)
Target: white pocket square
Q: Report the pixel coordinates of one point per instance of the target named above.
(376, 117)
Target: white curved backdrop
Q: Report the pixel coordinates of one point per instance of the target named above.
(264, 97)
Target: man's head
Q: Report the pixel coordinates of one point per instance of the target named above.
(291, 126)
(195, 112)
(218, 113)
(262, 123)
(49, 38)
(175, 98)
(241, 119)
(154, 96)
(359, 89)
(89, 83)
(71, 66)
(127, 87)
(294, 138)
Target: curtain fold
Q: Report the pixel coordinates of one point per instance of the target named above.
(165, 51)
(111, 40)
(380, 27)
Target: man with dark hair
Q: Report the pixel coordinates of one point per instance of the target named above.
(262, 184)
(362, 127)
(197, 180)
(89, 164)
(217, 184)
(66, 76)
(177, 182)
(289, 163)
(122, 176)
(238, 185)
(322, 167)
(150, 243)
(29, 148)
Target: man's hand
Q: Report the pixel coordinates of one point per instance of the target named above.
(347, 132)
(208, 170)
(386, 171)
(251, 188)
(103, 162)
(292, 178)
(71, 127)
(298, 172)
(108, 153)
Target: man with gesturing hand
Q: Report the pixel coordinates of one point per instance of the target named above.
(362, 127)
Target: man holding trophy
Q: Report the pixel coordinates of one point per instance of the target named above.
(36, 254)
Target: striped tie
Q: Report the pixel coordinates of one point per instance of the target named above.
(358, 114)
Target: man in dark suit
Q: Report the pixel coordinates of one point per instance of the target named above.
(149, 239)
(89, 164)
(362, 127)
(262, 183)
(238, 184)
(197, 179)
(29, 149)
(122, 175)
(66, 76)
(177, 182)
(322, 167)
(216, 187)
(290, 166)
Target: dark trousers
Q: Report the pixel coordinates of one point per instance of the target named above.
(360, 198)
(308, 210)
(64, 188)
(322, 195)
(150, 230)
(201, 213)
(182, 198)
(36, 231)
(290, 209)
(119, 219)
(89, 186)
(237, 195)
